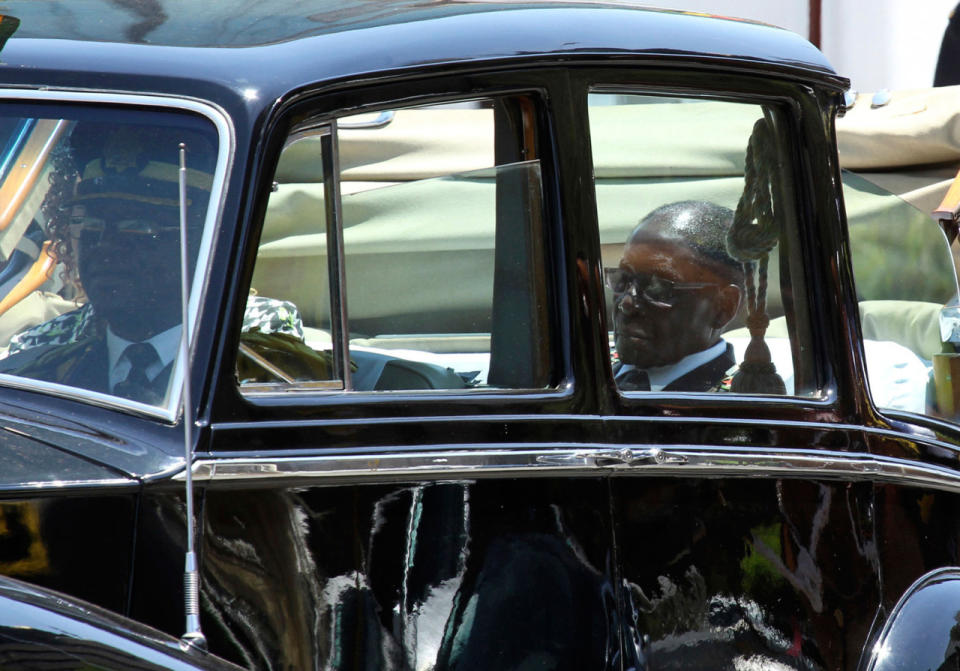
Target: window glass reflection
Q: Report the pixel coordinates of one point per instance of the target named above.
(91, 247)
(440, 239)
(697, 227)
(905, 279)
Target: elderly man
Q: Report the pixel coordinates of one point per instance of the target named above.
(674, 291)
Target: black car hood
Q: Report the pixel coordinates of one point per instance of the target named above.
(27, 463)
(40, 450)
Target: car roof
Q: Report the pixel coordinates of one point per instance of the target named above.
(280, 45)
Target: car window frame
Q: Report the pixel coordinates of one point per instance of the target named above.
(323, 111)
(790, 100)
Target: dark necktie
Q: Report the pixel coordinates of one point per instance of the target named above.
(634, 380)
(137, 386)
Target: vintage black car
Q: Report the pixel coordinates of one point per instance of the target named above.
(432, 409)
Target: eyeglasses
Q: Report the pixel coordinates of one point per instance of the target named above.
(90, 230)
(652, 288)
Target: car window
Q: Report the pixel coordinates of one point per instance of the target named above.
(697, 223)
(907, 292)
(90, 242)
(403, 250)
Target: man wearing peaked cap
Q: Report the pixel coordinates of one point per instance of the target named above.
(119, 237)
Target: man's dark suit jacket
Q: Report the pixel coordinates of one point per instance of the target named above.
(703, 378)
(83, 364)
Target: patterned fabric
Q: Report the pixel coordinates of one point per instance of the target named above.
(262, 315)
(269, 315)
(67, 328)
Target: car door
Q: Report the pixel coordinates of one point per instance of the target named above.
(76, 449)
(734, 550)
(382, 488)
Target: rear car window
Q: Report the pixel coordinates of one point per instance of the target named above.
(697, 225)
(402, 250)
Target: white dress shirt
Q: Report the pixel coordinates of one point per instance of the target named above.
(661, 376)
(166, 343)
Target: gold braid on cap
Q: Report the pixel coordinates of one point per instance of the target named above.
(751, 238)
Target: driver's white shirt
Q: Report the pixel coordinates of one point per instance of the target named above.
(165, 343)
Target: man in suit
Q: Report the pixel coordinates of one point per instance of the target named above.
(118, 236)
(947, 72)
(674, 291)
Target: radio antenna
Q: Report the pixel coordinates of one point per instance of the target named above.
(193, 637)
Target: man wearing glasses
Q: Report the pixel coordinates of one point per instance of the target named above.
(118, 239)
(675, 290)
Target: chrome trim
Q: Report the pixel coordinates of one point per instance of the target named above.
(306, 132)
(449, 461)
(382, 120)
(42, 485)
(255, 389)
(881, 98)
(225, 154)
(849, 99)
(87, 395)
(615, 458)
(174, 471)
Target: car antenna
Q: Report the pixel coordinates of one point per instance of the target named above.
(193, 637)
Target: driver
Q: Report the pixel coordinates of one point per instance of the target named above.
(119, 240)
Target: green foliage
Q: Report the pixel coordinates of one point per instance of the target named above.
(899, 252)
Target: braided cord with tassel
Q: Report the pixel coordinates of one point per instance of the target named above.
(751, 238)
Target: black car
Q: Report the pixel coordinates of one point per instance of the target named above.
(520, 336)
